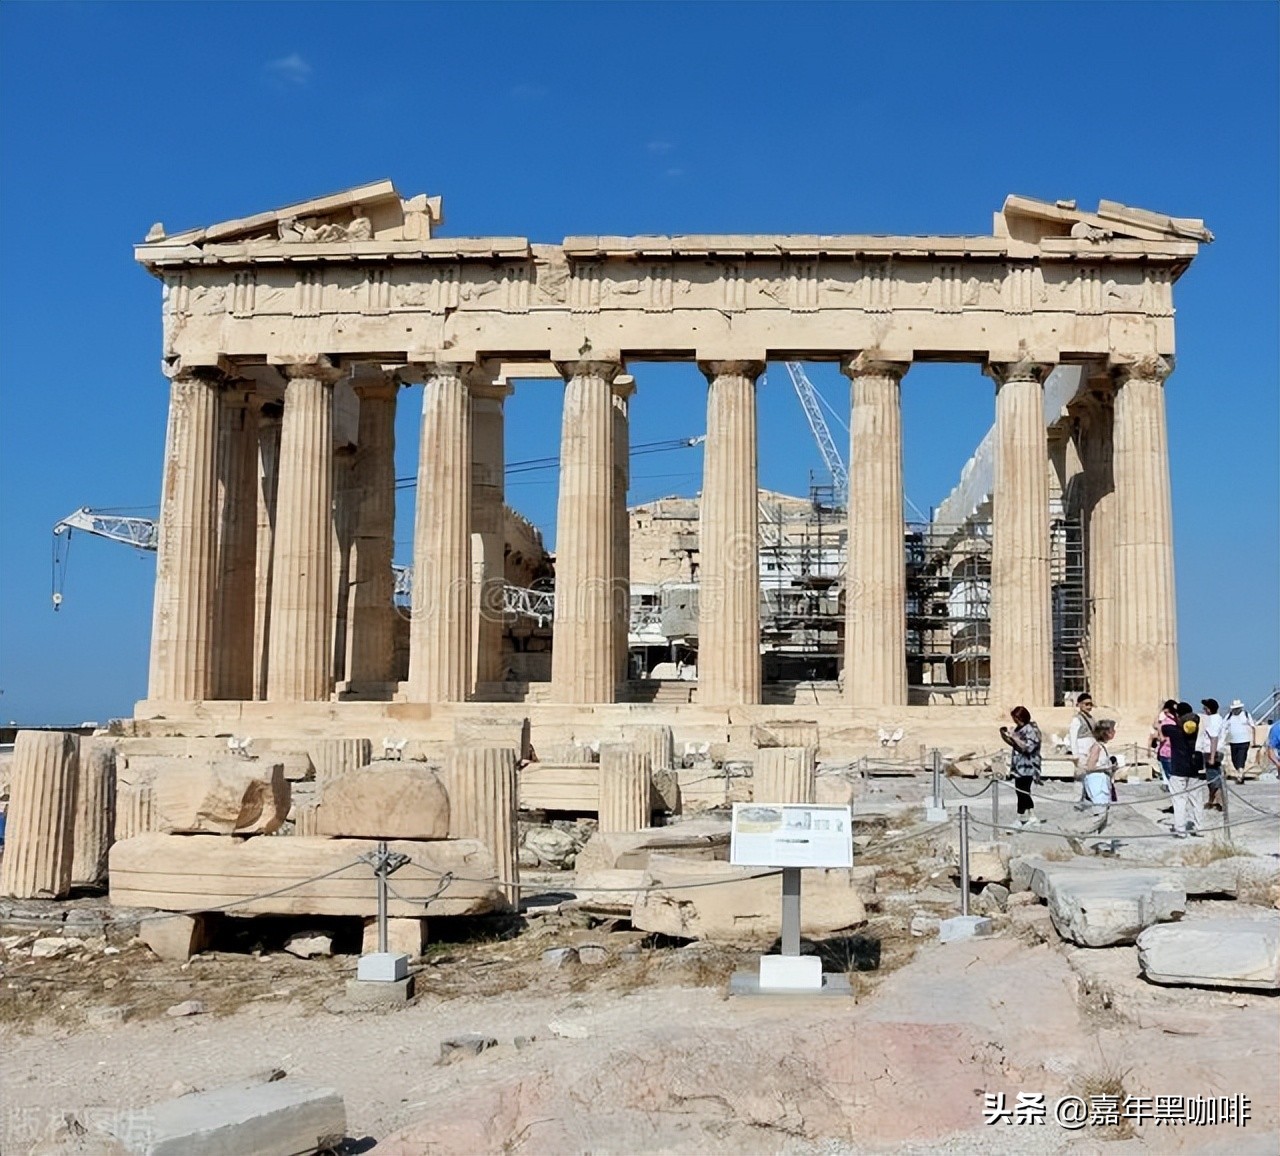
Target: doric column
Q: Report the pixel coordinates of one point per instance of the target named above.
(875, 598)
(1094, 442)
(1021, 613)
(625, 788)
(93, 830)
(301, 660)
(784, 774)
(488, 538)
(440, 629)
(624, 387)
(583, 659)
(482, 788)
(182, 625)
(729, 572)
(269, 422)
(233, 629)
(39, 846)
(371, 634)
(1146, 626)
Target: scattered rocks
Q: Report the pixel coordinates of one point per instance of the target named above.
(560, 956)
(54, 947)
(188, 1007)
(553, 847)
(1098, 909)
(922, 924)
(462, 1047)
(569, 1031)
(593, 954)
(107, 1016)
(309, 944)
(174, 938)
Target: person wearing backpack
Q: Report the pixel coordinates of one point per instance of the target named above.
(1184, 774)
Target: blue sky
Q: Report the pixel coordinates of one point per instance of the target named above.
(546, 120)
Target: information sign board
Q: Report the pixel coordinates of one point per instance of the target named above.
(791, 835)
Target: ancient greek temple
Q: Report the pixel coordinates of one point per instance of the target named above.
(287, 337)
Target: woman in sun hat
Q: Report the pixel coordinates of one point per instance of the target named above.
(1237, 733)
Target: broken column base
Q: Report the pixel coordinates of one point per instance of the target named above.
(376, 993)
(963, 927)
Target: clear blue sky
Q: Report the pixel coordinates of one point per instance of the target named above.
(546, 120)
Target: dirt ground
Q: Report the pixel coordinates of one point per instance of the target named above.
(646, 1051)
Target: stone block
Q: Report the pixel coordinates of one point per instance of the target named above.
(783, 775)
(282, 1118)
(1098, 909)
(385, 800)
(174, 938)
(382, 967)
(309, 944)
(988, 862)
(218, 797)
(664, 792)
(695, 839)
(463, 1047)
(960, 927)
(745, 905)
(365, 994)
(181, 873)
(95, 813)
(333, 758)
(833, 790)
(404, 936)
(1233, 952)
(607, 892)
(799, 733)
(494, 732)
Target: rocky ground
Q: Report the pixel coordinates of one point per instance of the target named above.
(629, 1042)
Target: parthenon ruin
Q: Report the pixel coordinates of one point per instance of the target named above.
(287, 334)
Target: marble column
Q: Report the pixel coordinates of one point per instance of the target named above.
(583, 658)
(625, 788)
(1021, 610)
(268, 428)
(729, 572)
(182, 623)
(624, 388)
(488, 529)
(1146, 640)
(1094, 444)
(440, 629)
(300, 663)
(237, 545)
(784, 774)
(94, 826)
(346, 500)
(482, 787)
(39, 845)
(875, 633)
(371, 638)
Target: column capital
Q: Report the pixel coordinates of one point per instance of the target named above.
(624, 386)
(1147, 366)
(590, 367)
(1025, 368)
(487, 388)
(213, 372)
(713, 369)
(306, 367)
(873, 363)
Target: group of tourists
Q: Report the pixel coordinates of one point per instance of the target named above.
(1191, 748)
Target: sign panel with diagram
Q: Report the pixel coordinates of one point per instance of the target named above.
(791, 835)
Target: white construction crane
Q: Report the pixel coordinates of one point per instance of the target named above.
(141, 533)
(808, 396)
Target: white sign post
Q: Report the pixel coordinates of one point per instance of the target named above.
(790, 836)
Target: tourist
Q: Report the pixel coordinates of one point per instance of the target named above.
(1209, 748)
(1099, 766)
(1080, 736)
(1184, 777)
(1237, 733)
(1024, 763)
(1160, 741)
(1272, 746)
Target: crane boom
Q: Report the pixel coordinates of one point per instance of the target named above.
(822, 434)
(139, 532)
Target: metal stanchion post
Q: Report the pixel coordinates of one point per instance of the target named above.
(964, 858)
(1226, 809)
(995, 802)
(937, 778)
(382, 895)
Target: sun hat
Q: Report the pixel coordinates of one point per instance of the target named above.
(1236, 704)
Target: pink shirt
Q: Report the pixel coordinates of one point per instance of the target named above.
(1163, 751)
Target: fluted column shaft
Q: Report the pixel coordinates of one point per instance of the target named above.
(1095, 445)
(440, 630)
(729, 571)
(94, 824)
(1146, 650)
(233, 633)
(784, 774)
(40, 826)
(875, 635)
(1021, 610)
(346, 502)
(269, 423)
(583, 658)
(371, 647)
(182, 623)
(623, 389)
(301, 668)
(488, 556)
(625, 783)
(482, 805)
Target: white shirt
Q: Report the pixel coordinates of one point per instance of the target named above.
(1079, 739)
(1238, 728)
(1210, 728)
